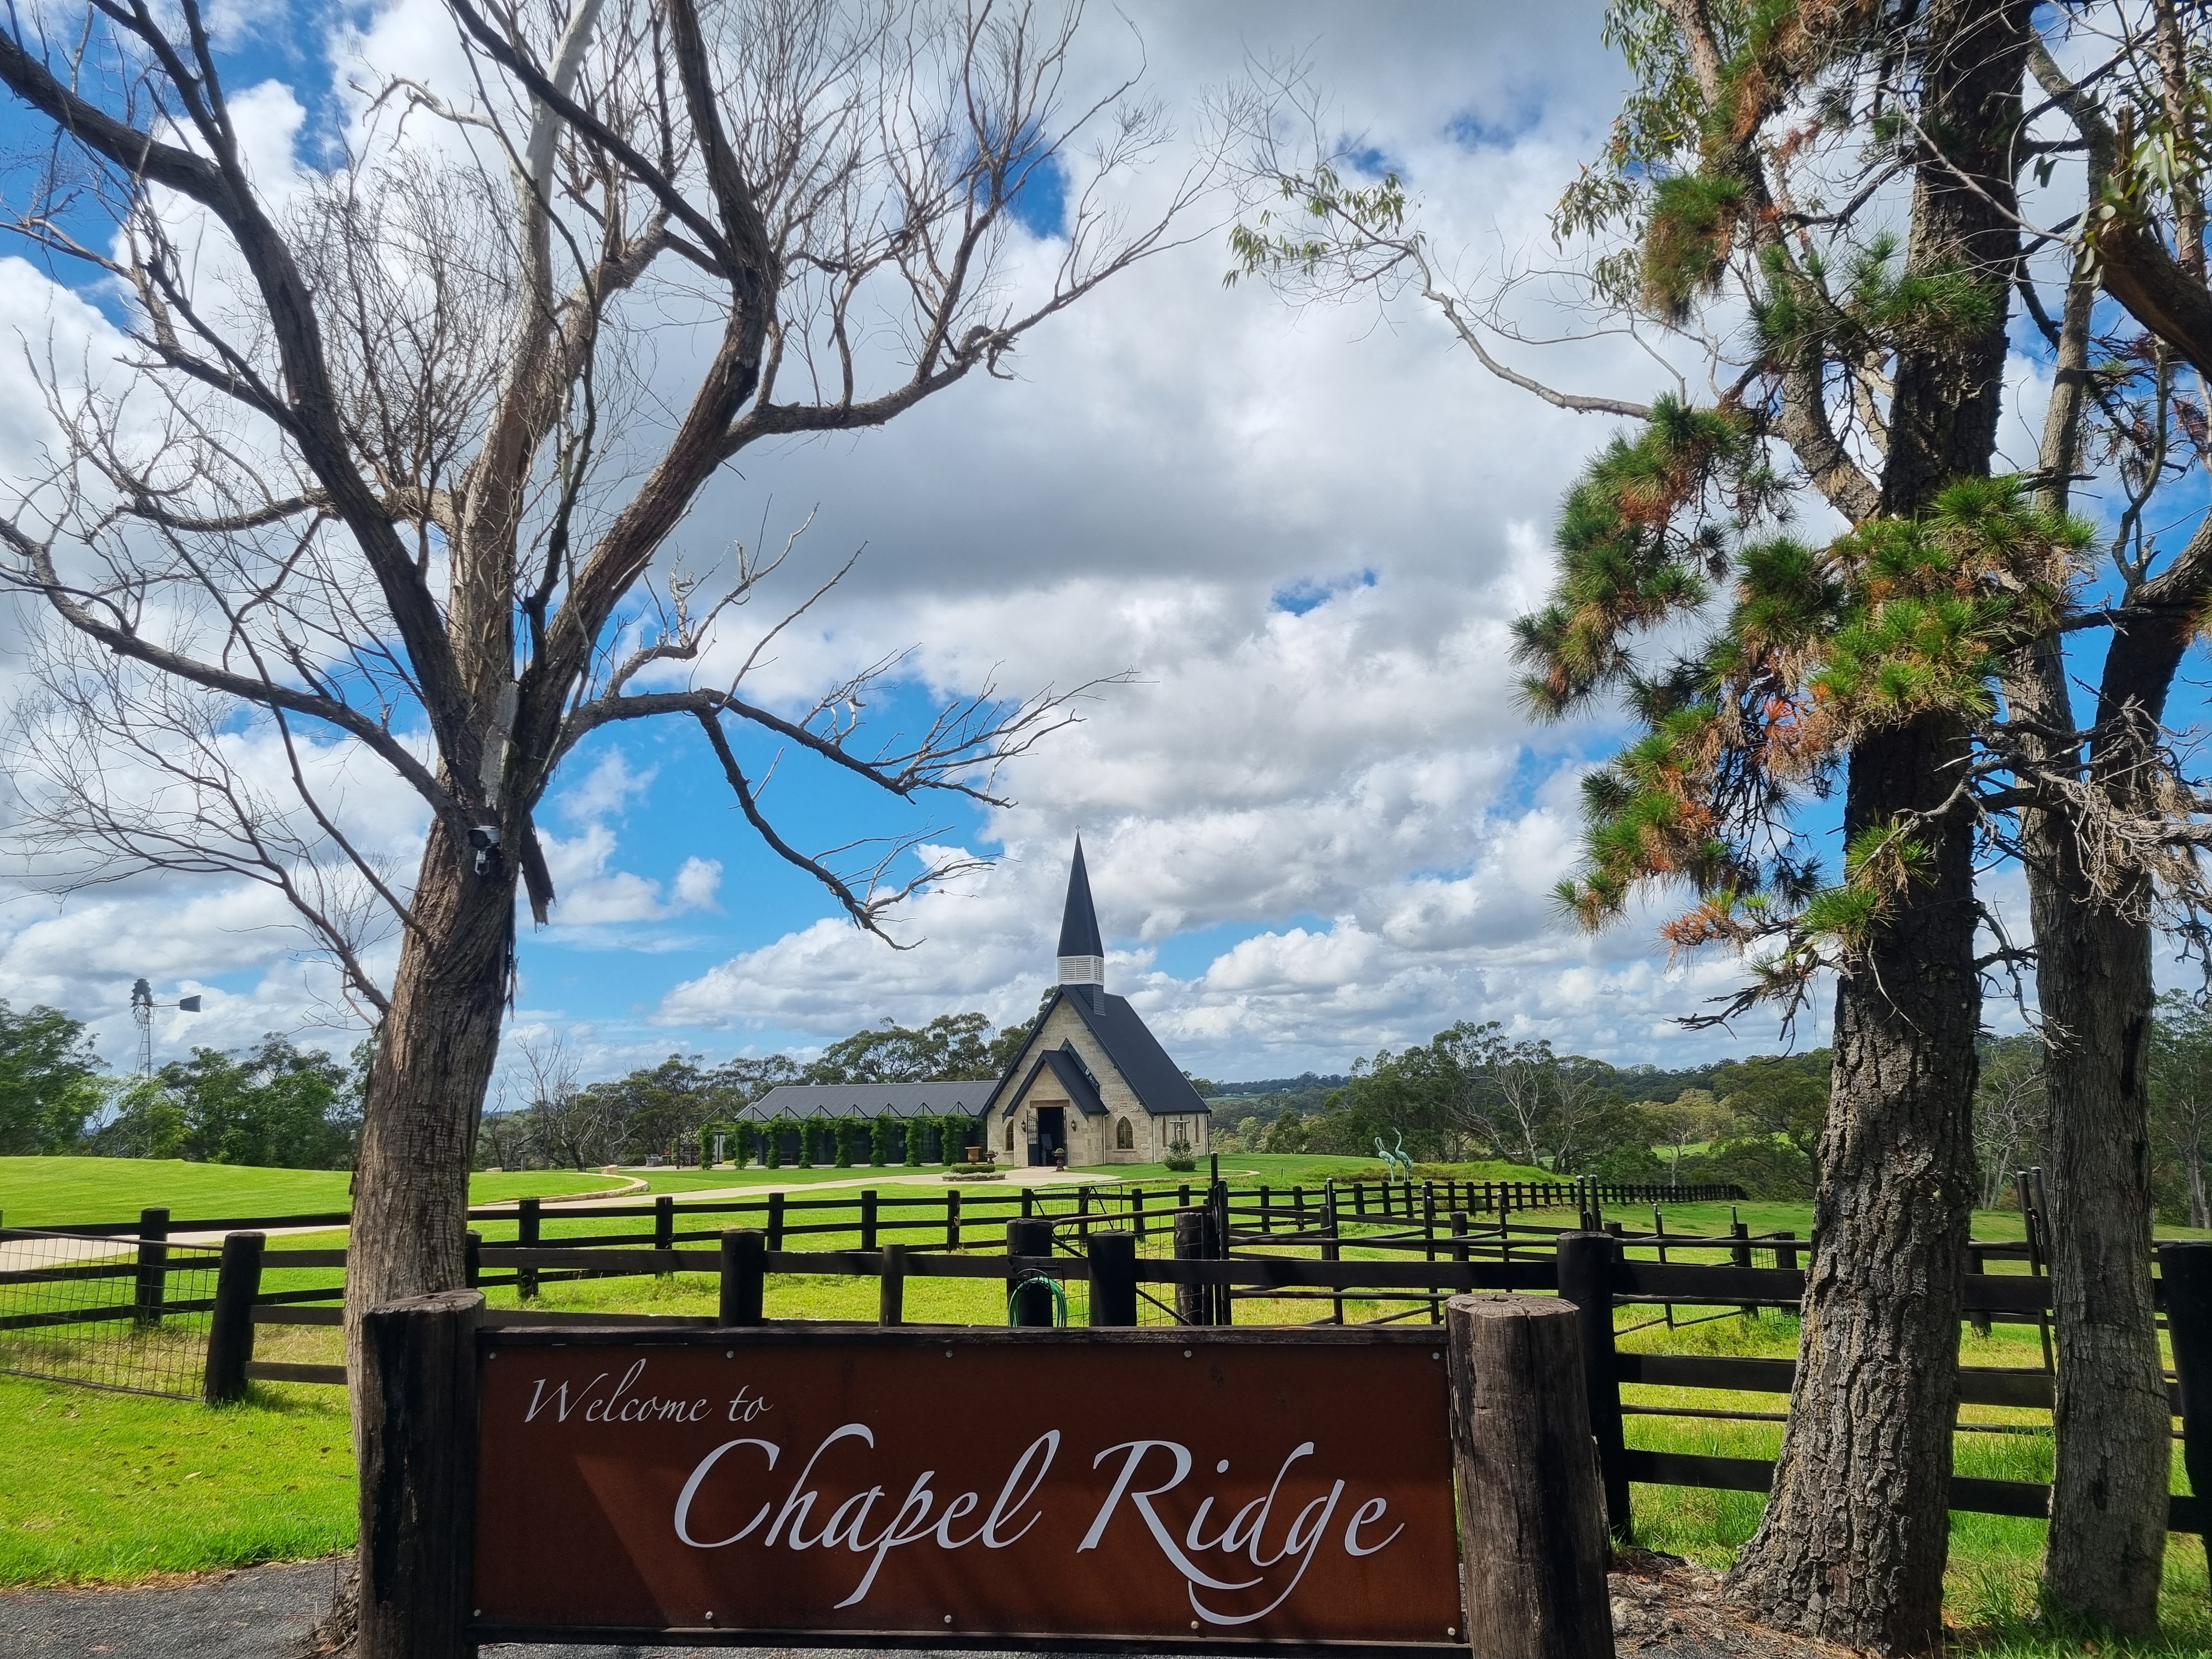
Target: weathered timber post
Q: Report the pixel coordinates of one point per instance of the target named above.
(1531, 1511)
(151, 1285)
(230, 1329)
(526, 1237)
(891, 1289)
(472, 1259)
(1976, 1264)
(868, 1218)
(1266, 1223)
(1032, 1304)
(1586, 1276)
(1332, 1250)
(775, 1221)
(744, 1277)
(952, 1219)
(663, 1224)
(1740, 1255)
(1113, 1278)
(1193, 1302)
(2185, 1272)
(1137, 1209)
(418, 1466)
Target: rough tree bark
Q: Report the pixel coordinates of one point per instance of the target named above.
(1855, 1538)
(1852, 1545)
(2094, 985)
(434, 1054)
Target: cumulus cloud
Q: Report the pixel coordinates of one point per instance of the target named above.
(1318, 821)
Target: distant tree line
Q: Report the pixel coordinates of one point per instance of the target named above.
(273, 1104)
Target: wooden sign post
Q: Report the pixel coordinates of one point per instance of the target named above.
(1252, 1490)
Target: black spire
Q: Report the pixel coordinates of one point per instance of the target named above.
(1078, 923)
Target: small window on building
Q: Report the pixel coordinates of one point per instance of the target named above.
(1010, 1135)
(1125, 1136)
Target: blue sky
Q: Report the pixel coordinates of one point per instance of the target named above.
(1317, 821)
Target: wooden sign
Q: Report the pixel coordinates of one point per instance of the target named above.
(967, 1488)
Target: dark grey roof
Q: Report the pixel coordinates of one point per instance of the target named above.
(869, 1100)
(1078, 923)
(1072, 1077)
(1159, 1084)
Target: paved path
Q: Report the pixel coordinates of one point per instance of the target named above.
(895, 1175)
(256, 1612)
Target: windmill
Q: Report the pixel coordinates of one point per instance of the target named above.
(142, 1015)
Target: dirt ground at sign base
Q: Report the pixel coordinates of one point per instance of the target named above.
(1662, 1608)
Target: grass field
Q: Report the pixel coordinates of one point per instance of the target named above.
(55, 1192)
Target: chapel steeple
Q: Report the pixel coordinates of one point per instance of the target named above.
(1082, 951)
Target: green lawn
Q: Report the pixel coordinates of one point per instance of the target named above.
(109, 1487)
(56, 1192)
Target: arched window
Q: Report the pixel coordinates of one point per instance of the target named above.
(1125, 1136)
(1010, 1135)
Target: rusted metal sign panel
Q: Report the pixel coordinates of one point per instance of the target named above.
(964, 1488)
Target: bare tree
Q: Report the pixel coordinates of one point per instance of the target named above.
(396, 451)
(567, 1124)
(2009, 1114)
(2181, 1095)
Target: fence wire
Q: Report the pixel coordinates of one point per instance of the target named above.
(126, 1314)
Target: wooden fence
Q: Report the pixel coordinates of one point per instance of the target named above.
(1197, 1260)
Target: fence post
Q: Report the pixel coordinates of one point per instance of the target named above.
(1113, 1278)
(472, 1259)
(152, 1283)
(230, 1329)
(1266, 1223)
(1586, 1264)
(418, 1462)
(1029, 1202)
(1531, 1512)
(1332, 1224)
(2185, 1272)
(1193, 1302)
(663, 1222)
(745, 1276)
(1137, 1209)
(952, 1218)
(868, 1219)
(890, 1290)
(1032, 1304)
(775, 1221)
(526, 1237)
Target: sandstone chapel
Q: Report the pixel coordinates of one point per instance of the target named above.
(1091, 1084)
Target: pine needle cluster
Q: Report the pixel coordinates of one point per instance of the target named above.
(1818, 648)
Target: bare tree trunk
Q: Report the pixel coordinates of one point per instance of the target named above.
(434, 1061)
(2105, 1547)
(2200, 1207)
(1854, 1540)
(2107, 1536)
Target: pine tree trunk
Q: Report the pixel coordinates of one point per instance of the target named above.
(434, 1054)
(1853, 1544)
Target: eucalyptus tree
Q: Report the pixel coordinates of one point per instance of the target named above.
(1820, 208)
(392, 463)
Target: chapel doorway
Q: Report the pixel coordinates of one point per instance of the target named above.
(1051, 1134)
